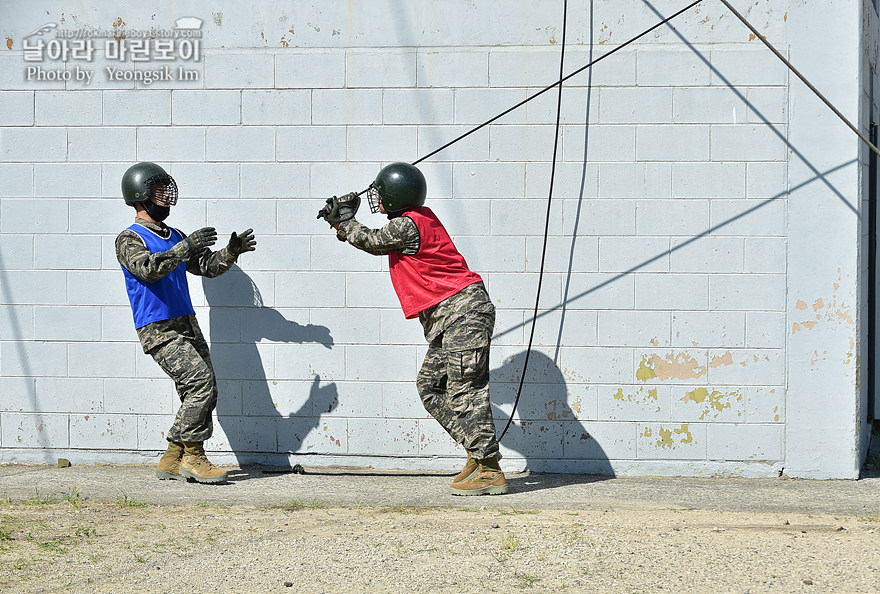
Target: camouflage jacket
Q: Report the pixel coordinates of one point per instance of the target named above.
(149, 267)
(401, 235)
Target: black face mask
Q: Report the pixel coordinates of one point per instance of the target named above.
(156, 212)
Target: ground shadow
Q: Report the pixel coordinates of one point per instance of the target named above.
(246, 410)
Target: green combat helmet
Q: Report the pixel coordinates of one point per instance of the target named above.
(398, 187)
(147, 181)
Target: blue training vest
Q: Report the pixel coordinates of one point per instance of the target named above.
(164, 299)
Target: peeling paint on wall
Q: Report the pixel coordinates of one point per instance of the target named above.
(9, 43)
(715, 401)
(671, 366)
(666, 438)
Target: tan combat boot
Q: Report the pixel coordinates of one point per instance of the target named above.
(487, 480)
(169, 463)
(195, 464)
(469, 467)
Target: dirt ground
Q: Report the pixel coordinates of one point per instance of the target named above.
(66, 543)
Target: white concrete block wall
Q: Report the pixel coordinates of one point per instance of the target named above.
(663, 342)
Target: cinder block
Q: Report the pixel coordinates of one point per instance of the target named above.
(765, 254)
(274, 180)
(248, 434)
(380, 68)
(255, 398)
(245, 143)
(671, 67)
(765, 329)
(519, 290)
(617, 71)
(305, 361)
(749, 218)
(564, 327)
(34, 287)
(765, 292)
(461, 218)
(529, 67)
(533, 439)
(244, 361)
(34, 430)
(395, 329)
(67, 323)
(274, 252)
(19, 394)
(671, 441)
(746, 67)
(599, 441)
(278, 107)
(745, 442)
(635, 180)
(570, 180)
(369, 289)
(206, 180)
(672, 217)
(520, 143)
(17, 252)
(346, 106)
(672, 291)
(708, 105)
(707, 254)
(103, 432)
(90, 359)
(453, 69)
(81, 285)
(579, 106)
(313, 289)
(417, 106)
(33, 145)
(140, 108)
(674, 143)
(434, 441)
(117, 323)
(353, 399)
(596, 364)
(634, 328)
(605, 143)
(549, 401)
(68, 252)
(708, 329)
(313, 435)
(382, 143)
(101, 144)
(749, 142)
(747, 368)
(68, 395)
(328, 179)
(369, 363)
(400, 400)
(522, 217)
(767, 105)
(17, 108)
(600, 291)
(507, 254)
(766, 180)
(33, 359)
(66, 108)
(317, 69)
(132, 396)
(563, 254)
(67, 179)
(347, 325)
(239, 71)
(171, 144)
(702, 404)
(509, 326)
(311, 143)
(635, 403)
(489, 180)
(640, 254)
(328, 254)
(383, 437)
(765, 404)
(709, 180)
(18, 180)
(474, 147)
(206, 108)
(17, 322)
(635, 105)
(475, 106)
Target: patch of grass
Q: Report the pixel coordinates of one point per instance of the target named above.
(518, 512)
(85, 532)
(525, 580)
(73, 497)
(297, 505)
(41, 499)
(404, 509)
(125, 501)
(53, 545)
(510, 542)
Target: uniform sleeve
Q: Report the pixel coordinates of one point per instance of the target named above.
(209, 264)
(399, 235)
(141, 262)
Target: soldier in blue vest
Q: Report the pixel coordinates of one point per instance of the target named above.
(155, 259)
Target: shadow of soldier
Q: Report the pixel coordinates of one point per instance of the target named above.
(548, 430)
(248, 405)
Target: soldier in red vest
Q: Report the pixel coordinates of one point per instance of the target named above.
(433, 282)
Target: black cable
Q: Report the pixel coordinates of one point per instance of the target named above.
(522, 377)
(791, 67)
(558, 82)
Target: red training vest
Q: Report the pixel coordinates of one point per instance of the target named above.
(435, 273)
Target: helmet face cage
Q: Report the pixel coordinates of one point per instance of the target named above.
(374, 197)
(161, 189)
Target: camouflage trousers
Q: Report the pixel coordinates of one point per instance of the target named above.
(187, 361)
(453, 382)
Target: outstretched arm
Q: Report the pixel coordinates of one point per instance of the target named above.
(399, 235)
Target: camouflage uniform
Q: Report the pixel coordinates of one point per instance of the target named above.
(178, 345)
(453, 382)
